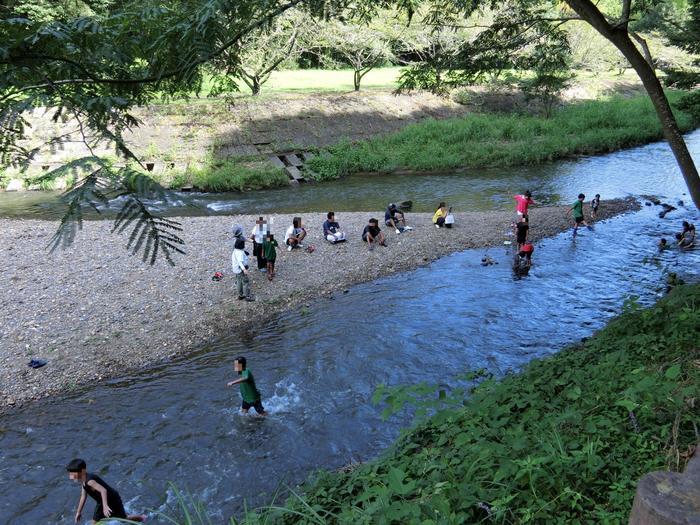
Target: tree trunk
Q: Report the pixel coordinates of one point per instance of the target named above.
(620, 38)
(357, 78)
(255, 87)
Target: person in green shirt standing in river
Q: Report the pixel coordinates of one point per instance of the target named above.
(577, 209)
(249, 392)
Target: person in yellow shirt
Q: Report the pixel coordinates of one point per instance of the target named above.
(440, 215)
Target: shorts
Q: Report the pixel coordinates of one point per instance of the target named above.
(288, 242)
(117, 510)
(257, 405)
(521, 239)
(579, 220)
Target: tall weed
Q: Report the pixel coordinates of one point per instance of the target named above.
(494, 140)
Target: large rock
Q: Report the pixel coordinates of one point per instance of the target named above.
(668, 498)
(14, 185)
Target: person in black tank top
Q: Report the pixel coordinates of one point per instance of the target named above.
(109, 503)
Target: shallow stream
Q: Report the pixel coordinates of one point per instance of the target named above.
(318, 367)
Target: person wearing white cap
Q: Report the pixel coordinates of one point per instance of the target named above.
(239, 263)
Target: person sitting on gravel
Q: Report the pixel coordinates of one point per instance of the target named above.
(331, 229)
(294, 235)
(372, 234)
(395, 218)
(239, 263)
(440, 215)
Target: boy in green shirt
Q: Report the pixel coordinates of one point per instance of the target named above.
(249, 392)
(269, 245)
(577, 208)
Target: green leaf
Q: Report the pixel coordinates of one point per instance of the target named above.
(673, 372)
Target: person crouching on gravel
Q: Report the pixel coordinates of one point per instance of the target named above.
(372, 234)
(396, 219)
(294, 235)
(440, 215)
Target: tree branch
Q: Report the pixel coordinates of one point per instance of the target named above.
(156, 78)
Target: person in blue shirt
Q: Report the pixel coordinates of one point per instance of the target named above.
(331, 229)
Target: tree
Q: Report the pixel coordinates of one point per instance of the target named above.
(258, 54)
(94, 69)
(550, 63)
(617, 31)
(438, 66)
(362, 47)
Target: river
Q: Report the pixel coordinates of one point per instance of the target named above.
(317, 368)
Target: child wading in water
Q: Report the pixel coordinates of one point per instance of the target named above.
(109, 503)
(269, 245)
(577, 208)
(595, 204)
(249, 392)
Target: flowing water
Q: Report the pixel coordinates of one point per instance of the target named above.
(317, 368)
(646, 170)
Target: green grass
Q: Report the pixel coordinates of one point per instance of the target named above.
(496, 140)
(231, 175)
(563, 442)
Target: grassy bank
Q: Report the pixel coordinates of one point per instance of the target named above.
(565, 441)
(496, 140)
(238, 174)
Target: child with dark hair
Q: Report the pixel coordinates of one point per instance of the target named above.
(523, 201)
(440, 215)
(249, 392)
(109, 503)
(269, 245)
(688, 232)
(373, 234)
(577, 209)
(331, 229)
(294, 235)
(595, 204)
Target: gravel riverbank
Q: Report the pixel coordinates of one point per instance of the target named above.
(94, 312)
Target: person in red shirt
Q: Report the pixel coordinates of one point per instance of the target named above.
(523, 261)
(523, 201)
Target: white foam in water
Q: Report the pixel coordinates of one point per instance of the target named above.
(219, 206)
(285, 398)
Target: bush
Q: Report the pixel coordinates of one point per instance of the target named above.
(496, 140)
(565, 441)
(231, 175)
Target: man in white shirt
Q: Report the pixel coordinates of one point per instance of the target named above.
(239, 264)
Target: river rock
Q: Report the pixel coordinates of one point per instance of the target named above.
(14, 185)
(668, 498)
